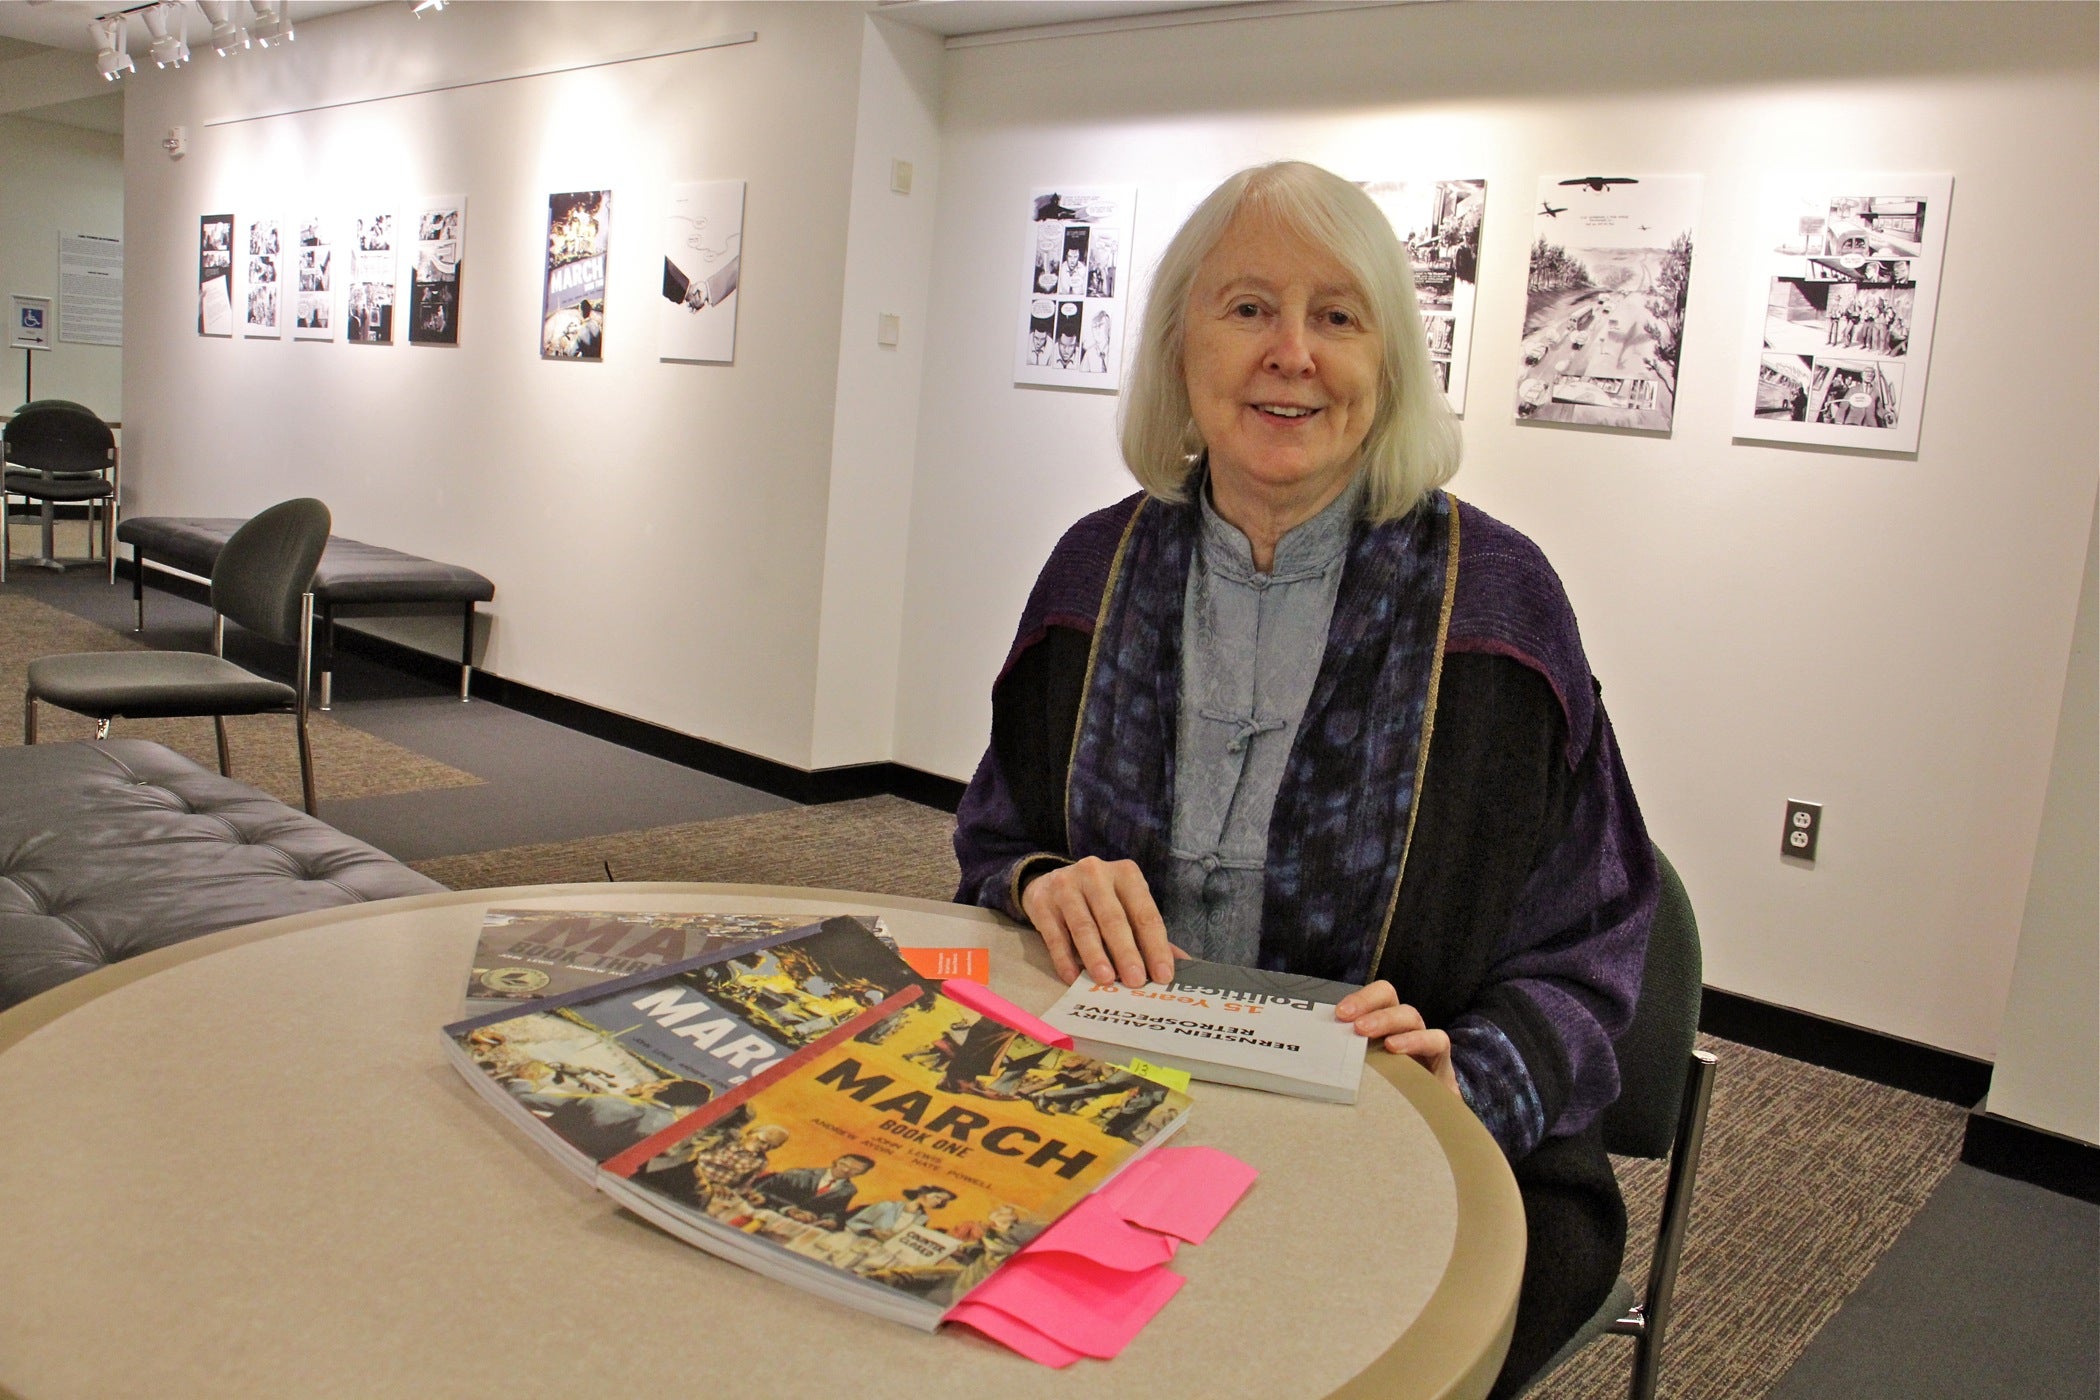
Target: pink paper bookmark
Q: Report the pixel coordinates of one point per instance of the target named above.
(1076, 1302)
(1180, 1191)
(1094, 1229)
(1013, 1334)
(986, 1002)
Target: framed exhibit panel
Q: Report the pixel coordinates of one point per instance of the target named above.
(1438, 223)
(1611, 259)
(436, 272)
(374, 278)
(572, 309)
(703, 264)
(262, 286)
(1845, 281)
(316, 315)
(1077, 294)
(215, 274)
(91, 288)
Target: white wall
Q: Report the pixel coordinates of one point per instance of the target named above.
(761, 554)
(2048, 1068)
(656, 531)
(875, 424)
(1862, 630)
(57, 179)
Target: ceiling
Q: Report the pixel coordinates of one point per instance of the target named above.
(63, 24)
(29, 27)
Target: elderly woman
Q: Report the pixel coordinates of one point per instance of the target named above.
(1294, 707)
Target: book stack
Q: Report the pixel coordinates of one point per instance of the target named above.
(805, 1104)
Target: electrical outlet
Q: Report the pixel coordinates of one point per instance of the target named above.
(1804, 822)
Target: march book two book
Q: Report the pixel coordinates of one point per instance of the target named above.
(803, 1104)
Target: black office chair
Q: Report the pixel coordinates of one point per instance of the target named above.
(1665, 1086)
(61, 453)
(263, 581)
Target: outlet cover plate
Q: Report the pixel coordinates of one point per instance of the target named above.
(1804, 823)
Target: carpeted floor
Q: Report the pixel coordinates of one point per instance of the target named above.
(347, 762)
(1808, 1175)
(883, 845)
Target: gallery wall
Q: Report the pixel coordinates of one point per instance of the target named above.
(816, 554)
(655, 530)
(1884, 634)
(58, 179)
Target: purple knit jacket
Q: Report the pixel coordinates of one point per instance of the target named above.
(1579, 925)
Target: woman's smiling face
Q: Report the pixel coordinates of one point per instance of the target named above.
(1281, 359)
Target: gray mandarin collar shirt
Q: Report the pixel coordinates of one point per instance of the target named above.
(1251, 646)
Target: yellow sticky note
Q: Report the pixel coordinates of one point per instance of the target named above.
(1160, 1074)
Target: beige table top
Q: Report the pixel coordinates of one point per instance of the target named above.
(242, 1166)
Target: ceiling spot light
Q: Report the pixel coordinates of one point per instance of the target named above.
(169, 49)
(109, 38)
(273, 23)
(227, 37)
(420, 8)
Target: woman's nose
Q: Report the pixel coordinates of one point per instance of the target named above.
(1289, 351)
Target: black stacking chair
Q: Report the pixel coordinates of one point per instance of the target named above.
(61, 453)
(1664, 1088)
(263, 581)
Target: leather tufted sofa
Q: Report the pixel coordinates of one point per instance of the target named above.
(111, 849)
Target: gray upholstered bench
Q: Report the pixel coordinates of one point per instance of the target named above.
(111, 849)
(354, 578)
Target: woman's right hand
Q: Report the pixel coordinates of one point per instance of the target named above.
(1098, 914)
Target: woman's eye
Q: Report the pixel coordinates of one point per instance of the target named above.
(1245, 310)
(1340, 318)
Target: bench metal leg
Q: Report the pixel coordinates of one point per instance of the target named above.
(466, 654)
(138, 585)
(218, 724)
(306, 767)
(327, 655)
(29, 718)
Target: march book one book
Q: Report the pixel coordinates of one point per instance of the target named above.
(804, 1105)
(1231, 1025)
(898, 1162)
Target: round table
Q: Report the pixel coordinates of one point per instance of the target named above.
(242, 1165)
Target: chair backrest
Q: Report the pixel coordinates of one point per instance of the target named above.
(267, 565)
(1656, 1050)
(57, 435)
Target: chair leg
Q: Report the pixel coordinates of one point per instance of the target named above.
(29, 717)
(218, 724)
(306, 767)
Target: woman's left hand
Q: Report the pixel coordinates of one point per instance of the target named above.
(1377, 1011)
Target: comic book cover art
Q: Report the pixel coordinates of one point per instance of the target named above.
(572, 325)
(529, 953)
(898, 1163)
(591, 1073)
